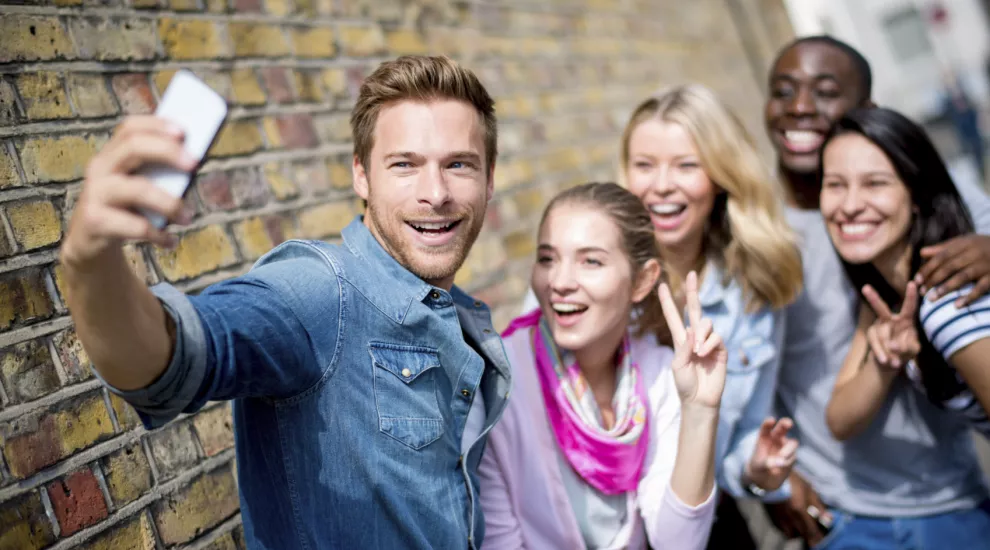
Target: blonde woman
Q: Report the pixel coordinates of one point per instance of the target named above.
(715, 211)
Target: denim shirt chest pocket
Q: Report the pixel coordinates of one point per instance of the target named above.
(746, 361)
(406, 393)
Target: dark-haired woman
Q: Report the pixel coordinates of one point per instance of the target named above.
(886, 194)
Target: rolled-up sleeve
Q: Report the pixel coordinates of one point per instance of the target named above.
(272, 332)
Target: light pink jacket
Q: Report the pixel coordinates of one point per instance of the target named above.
(522, 492)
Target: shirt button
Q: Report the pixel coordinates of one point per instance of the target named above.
(478, 304)
(435, 295)
(465, 393)
(487, 331)
(406, 373)
(744, 358)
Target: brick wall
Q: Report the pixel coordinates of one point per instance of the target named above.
(76, 469)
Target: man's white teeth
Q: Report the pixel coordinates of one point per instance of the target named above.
(857, 228)
(568, 308)
(802, 137)
(667, 208)
(427, 226)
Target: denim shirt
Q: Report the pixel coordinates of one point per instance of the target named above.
(352, 380)
(753, 341)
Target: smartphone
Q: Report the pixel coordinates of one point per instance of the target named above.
(200, 111)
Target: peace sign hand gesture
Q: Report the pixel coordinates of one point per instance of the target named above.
(699, 354)
(893, 338)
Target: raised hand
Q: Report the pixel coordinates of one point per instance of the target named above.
(106, 213)
(699, 354)
(773, 456)
(893, 338)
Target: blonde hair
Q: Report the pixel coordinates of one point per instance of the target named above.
(638, 242)
(747, 233)
(419, 78)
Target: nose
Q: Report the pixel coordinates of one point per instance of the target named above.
(562, 279)
(853, 202)
(432, 188)
(802, 103)
(663, 183)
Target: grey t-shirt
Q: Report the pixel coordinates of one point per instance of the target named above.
(914, 458)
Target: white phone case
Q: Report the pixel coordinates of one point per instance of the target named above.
(199, 111)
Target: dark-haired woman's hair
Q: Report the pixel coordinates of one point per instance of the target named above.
(939, 214)
(639, 244)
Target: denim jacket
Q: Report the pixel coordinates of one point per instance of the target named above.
(352, 380)
(753, 341)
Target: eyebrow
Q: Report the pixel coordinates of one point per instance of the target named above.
(403, 155)
(791, 78)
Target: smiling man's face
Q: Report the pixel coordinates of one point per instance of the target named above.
(811, 86)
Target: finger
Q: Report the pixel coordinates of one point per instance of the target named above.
(809, 528)
(944, 266)
(710, 345)
(813, 500)
(876, 303)
(781, 428)
(671, 314)
(147, 124)
(878, 349)
(978, 291)
(687, 348)
(693, 303)
(134, 193)
(144, 149)
(910, 306)
(129, 226)
(702, 330)
(961, 278)
(788, 450)
(767, 427)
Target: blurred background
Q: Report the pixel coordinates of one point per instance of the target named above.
(76, 468)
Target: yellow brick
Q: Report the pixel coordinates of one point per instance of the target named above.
(127, 418)
(406, 42)
(83, 425)
(279, 7)
(185, 5)
(325, 220)
(162, 79)
(191, 39)
(43, 95)
(198, 252)
(362, 41)
(67, 3)
(313, 42)
(308, 87)
(253, 238)
(336, 81)
(128, 474)
(25, 526)
(58, 159)
(282, 187)
(258, 40)
(134, 534)
(520, 244)
(35, 224)
(341, 176)
(272, 135)
(8, 170)
(247, 89)
(90, 95)
(237, 138)
(30, 38)
(205, 502)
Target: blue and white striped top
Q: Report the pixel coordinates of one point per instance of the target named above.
(950, 329)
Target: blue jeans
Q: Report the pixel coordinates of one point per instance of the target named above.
(965, 529)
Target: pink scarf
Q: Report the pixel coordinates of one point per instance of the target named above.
(612, 460)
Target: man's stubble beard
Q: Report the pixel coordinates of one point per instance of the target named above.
(403, 249)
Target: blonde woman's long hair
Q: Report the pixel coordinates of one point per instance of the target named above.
(747, 234)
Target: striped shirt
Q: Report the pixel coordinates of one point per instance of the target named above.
(951, 329)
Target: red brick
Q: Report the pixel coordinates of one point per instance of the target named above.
(25, 524)
(26, 299)
(312, 176)
(202, 504)
(28, 371)
(248, 188)
(128, 474)
(214, 191)
(31, 443)
(296, 131)
(75, 360)
(77, 501)
(253, 6)
(215, 429)
(173, 449)
(134, 93)
(277, 83)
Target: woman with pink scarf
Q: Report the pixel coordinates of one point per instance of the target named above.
(608, 440)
